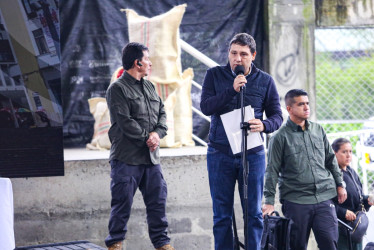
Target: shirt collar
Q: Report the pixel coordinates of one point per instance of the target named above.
(130, 79)
(296, 127)
(349, 169)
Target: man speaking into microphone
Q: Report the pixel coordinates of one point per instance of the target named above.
(220, 95)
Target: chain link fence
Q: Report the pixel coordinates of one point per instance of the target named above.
(344, 59)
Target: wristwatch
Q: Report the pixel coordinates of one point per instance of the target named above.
(342, 184)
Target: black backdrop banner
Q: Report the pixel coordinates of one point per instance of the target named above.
(93, 33)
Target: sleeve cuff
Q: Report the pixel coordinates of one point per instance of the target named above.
(269, 200)
(266, 125)
(342, 213)
(161, 133)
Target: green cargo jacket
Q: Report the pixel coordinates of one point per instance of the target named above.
(303, 163)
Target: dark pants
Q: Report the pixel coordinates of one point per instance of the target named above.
(125, 181)
(224, 171)
(320, 217)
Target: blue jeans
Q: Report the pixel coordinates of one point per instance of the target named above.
(224, 171)
(126, 179)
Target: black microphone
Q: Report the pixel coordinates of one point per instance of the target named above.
(239, 70)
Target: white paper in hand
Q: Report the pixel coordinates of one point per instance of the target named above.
(231, 122)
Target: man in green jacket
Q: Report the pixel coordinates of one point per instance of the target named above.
(301, 159)
(138, 122)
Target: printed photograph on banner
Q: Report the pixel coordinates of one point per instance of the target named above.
(30, 89)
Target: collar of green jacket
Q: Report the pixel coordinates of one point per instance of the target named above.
(296, 127)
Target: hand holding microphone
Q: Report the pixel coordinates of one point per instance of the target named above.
(255, 125)
(240, 80)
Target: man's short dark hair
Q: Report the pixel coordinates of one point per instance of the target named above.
(289, 98)
(338, 143)
(244, 39)
(132, 52)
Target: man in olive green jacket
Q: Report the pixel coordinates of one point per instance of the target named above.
(138, 122)
(301, 159)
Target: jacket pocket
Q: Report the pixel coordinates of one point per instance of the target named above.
(293, 158)
(154, 103)
(292, 150)
(137, 106)
(319, 150)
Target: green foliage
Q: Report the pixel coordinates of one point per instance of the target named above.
(344, 85)
(340, 127)
(345, 90)
(343, 127)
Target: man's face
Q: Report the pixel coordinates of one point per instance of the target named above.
(146, 64)
(299, 110)
(241, 55)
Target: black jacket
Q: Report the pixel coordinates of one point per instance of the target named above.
(353, 195)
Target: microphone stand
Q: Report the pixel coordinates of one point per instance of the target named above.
(245, 127)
